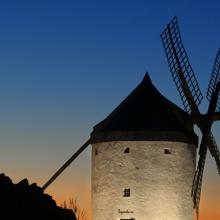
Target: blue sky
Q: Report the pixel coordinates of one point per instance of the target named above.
(65, 65)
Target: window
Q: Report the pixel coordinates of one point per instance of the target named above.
(96, 152)
(127, 150)
(127, 218)
(167, 151)
(126, 192)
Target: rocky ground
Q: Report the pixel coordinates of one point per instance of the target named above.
(28, 202)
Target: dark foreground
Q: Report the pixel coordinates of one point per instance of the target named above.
(28, 202)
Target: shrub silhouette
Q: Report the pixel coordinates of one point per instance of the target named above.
(74, 206)
(28, 202)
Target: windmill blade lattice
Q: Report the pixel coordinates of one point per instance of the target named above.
(191, 96)
(215, 78)
(197, 182)
(185, 79)
(180, 67)
(213, 148)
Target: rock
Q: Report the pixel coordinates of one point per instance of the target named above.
(28, 202)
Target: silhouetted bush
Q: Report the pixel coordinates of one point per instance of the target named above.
(74, 206)
(28, 202)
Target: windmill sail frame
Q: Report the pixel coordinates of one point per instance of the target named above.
(191, 96)
(178, 61)
(215, 78)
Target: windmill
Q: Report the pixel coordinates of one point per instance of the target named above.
(191, 97)
(131, 146)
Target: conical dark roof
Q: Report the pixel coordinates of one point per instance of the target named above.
(145, 115)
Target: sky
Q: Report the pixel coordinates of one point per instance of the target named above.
(65, 65)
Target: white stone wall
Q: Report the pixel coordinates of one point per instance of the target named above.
(160, 184)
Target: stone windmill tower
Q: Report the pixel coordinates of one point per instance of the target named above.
(143, 160)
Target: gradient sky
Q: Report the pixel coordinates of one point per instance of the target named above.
(65, 65)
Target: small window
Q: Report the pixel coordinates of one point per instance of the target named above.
(167, 151)
(127, 150)
(126, 192)
(96, 152)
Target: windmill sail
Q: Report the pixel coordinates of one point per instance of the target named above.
(185, 79)
(180, 67)
(66, 164)
(215, 78)
(197, 183)
(191, 96)
(213, 148)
